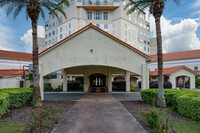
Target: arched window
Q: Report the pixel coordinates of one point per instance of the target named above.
(97, 2)
(105, 3)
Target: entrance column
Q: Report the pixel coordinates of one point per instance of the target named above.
(41, 82)
(192, 82)
(127, 81)
(64, 80)
(145, 77)
(109, 81)
(86, 81)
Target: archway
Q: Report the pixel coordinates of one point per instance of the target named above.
(97, 80)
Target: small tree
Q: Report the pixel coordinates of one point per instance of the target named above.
(34, 8)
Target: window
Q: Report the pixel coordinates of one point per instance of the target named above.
(60, 29)
(60, 36)
(49, 34)
(89, 15)
(49, 26)
(97, 2)
(49, 41)
(105, 15)
(54, 24)
(196, 68)
(53, 40)
(53, 33)
(105, 2)
(60, 20)
(116, 1)
(69, 25)
(148, 49)
(89, 2)
(46, 36)
(45, 43)
(144, 48)
(97, 15)
(69, 33)
(80, 0)
(141, 47)
(105, 26)
(98, 25)
(72, 2)
(129, 17)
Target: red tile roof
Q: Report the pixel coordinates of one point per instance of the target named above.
(91, 25)
(15, 55)
(167, 71)
(198, 72)
(192, 54)
(12, 72)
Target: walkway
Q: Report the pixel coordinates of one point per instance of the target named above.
(99, 113)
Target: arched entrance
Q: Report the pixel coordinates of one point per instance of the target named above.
(97, 80)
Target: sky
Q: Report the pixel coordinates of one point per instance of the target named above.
(180, 26)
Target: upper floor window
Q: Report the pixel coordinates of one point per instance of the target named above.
(53, 24)
(50, 26)
(97, 2)
(69, 32)
(89, 2)
(105, 2)
(97, 15)
(116, 1)
(89, 15)
(46, 36)
(53, 33)
(105, 15)
(196, 68)
(98, 25)
(105, 26)
(60, 20)
(60, 36)
(80, 0)
(69, 25)
(60, 29)
(49, 34)
(72, 2)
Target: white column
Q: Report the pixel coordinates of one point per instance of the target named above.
(86, 81)
(109, 82)
(127, 81)
(41, 82)
(192, 82)
(65, 80)
(145, 77)
(172, 79)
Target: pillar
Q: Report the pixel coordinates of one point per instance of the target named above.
(127, 81)
(145, 77)
(41, 82)
(173, 81)
(86, 81)
(109, 80)
(65, 80)
(192, 82)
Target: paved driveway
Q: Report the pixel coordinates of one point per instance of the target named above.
(99, 113)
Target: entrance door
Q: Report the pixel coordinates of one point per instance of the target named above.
(97, 80)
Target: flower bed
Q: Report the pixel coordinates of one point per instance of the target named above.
(14, 97)
(185, 102)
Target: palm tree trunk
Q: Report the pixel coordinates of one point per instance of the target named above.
(37, 101)
(161, 98)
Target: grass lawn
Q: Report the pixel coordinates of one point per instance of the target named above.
(11, 127)
(185, 126)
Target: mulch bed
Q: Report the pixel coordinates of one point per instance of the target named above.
(23, 113)
(134, 107)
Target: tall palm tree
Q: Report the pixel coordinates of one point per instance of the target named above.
(34, 8)
(156, 8)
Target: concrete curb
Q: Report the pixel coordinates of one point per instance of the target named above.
(55, 129)
(134, 119)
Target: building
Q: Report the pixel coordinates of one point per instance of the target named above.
(178, 68)
(97, 55)
(109, 15)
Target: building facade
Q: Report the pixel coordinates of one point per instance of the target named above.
(108, 15)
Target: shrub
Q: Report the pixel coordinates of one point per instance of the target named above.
(133, 88)
(154, 84)
(48, 87)
(14, 97)
(73, 85)
(185, 102)
(197, 82)
(42, 118)
(58, 88)
(119, 85)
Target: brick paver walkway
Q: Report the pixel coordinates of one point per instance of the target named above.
(99, 113)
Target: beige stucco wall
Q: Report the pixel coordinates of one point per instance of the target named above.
(182, 72)
(77, 52)
(10, 82)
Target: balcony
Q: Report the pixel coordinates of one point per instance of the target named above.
(98, 5)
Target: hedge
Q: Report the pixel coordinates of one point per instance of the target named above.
(14, 97)
(185, 102)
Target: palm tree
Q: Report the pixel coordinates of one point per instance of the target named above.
(156, 8)
(34, 8)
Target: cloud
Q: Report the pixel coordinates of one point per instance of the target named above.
(27, 38)
(196, 4)
(177, 37)
(6, 34)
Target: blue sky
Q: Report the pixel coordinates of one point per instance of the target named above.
(173, 14)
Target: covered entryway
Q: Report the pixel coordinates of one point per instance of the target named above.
(91, 51)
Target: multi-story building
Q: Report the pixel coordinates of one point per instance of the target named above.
(108, 15)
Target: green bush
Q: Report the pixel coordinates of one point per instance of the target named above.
(185, 102)
(197, 82)
(48, 87)
(58, 88)
(14, 97)
(133, 88)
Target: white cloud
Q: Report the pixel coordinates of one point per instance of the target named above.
(6, 34)
(27, 38)
(177, 37)
(196, 4)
